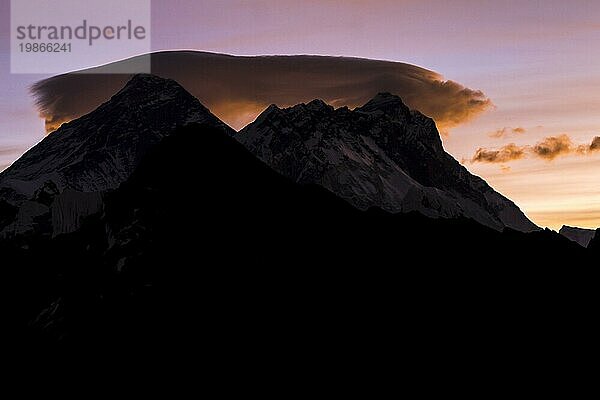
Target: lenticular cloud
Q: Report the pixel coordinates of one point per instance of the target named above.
(237, 89)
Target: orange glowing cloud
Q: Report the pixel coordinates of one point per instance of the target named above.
(505, 154)
(505, 132)
(593, 147)
(548, 149)
(237, 89)
(554, 146)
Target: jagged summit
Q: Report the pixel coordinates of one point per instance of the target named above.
(316, 105)
(319, 105)
(381, 154)
(387, 103)
(100, 150)
(148, 80)
(152, 88)
(391, 106)
(109, 140)
(145, 92)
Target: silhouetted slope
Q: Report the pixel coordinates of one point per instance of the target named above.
(207, 253)
(206, 239)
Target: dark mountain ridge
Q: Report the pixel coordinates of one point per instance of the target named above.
(204, 249)
(380, 155)
(245, 251)
(579, 235)
(93, 154)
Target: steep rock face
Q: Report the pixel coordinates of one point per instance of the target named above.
(70, 208)
(98, 151)
(579, 235)
(382, 154)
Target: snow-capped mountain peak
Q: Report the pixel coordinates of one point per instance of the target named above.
(381, 154)
(100, 150)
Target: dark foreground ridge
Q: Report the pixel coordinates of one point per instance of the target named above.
(205, 239)
(203, 250)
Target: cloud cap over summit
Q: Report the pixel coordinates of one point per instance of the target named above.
(237, 89)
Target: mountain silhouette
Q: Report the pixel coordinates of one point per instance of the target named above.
(95, 153)
(380, 155)
(204, 249)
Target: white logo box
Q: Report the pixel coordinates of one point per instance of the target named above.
(54, 37)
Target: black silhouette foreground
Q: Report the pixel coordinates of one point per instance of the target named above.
(204, 249)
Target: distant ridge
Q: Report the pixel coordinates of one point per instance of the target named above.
(579, 235)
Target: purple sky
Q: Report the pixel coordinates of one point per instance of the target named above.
(537, 60)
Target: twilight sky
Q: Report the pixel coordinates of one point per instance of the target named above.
(538, 62)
